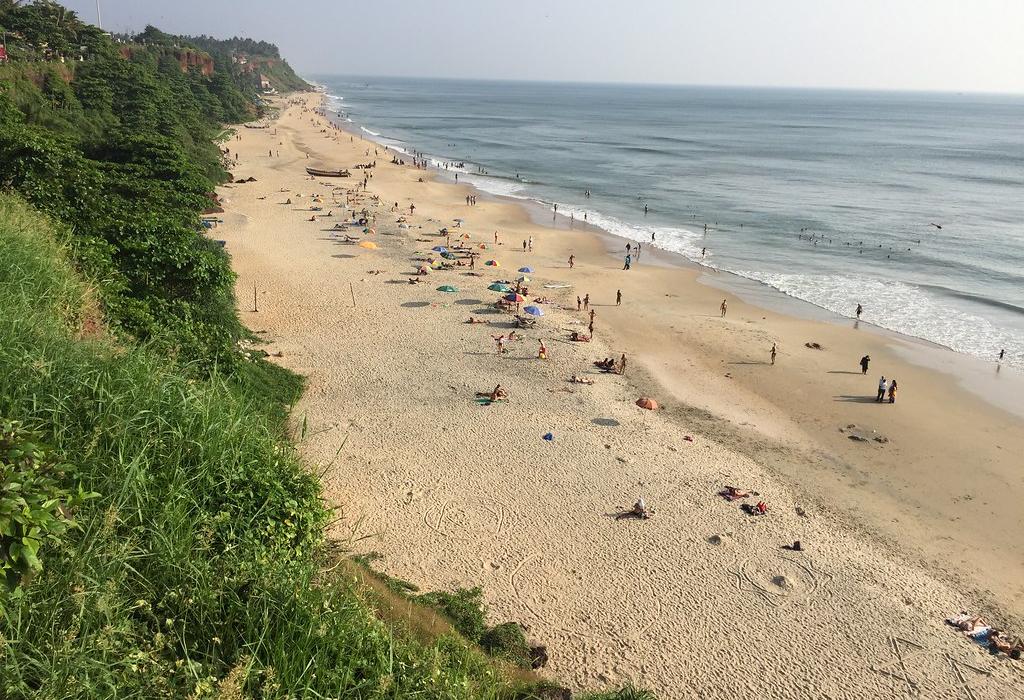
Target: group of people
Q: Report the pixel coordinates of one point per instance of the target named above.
(886, 388)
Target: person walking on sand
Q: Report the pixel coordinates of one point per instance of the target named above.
(618, 297)
(881, 389)
(542, 351)
(590, 329)
(495, 238)
(524, 245)
(530, 244)
(579, 303)
(412, 209)
(724, 307)
(892, 391)
(592, 314)
(572, 261)
(860, 310)
(622, 364)
(629, 260)
(586, 302)
(499, 340)
(864, 364)
(775, 350)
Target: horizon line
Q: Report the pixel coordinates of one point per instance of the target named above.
(742, 86)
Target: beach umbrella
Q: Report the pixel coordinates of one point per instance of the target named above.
(447, 288)
(647, 404)
(439, 249)
(534, 310)
(492, 263)
(496, 287)
(526, 269)
(513, 297)
(522, 278)
(369, 245)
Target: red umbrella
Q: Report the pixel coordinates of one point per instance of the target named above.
(647, 404)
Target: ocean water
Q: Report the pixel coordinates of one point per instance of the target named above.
(832, 197)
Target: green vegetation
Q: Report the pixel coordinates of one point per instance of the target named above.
(200, 564)
(121, 145)
(159, 536)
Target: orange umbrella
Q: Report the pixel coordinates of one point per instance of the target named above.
(647, 404)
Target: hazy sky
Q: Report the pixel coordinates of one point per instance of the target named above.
(956, 45)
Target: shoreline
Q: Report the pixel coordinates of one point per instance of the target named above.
(496, 480)
(801, 305)
(1000, 388)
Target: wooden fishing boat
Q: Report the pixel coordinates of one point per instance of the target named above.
(328, 173)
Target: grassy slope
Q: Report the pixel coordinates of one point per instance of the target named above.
(198, 567)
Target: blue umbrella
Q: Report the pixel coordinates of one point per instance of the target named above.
(526, 269)
(439, 249)
(534, 310)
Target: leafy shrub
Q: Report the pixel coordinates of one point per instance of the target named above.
(464, 608)
(507, 641)
(35, 502)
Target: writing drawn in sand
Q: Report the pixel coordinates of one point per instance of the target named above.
(926, 673)
(781, 580)
(467, 518)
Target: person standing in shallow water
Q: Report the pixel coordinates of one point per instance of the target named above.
(860, 310)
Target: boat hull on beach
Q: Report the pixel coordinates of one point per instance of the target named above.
(328, 173)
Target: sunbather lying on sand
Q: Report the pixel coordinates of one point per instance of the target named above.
(607, 364)
(577, 379)
(475, 320)
(498, 394)
(760, 509)
(1011, 647)
(578, 337)
(731, 493)
(967, 623)
(640, 511)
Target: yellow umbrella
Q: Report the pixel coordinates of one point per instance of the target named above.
(369, 245)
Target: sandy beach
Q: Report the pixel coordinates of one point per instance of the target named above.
(907, 513)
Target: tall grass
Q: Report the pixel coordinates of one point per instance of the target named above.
(196, 571)
(199, 570)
